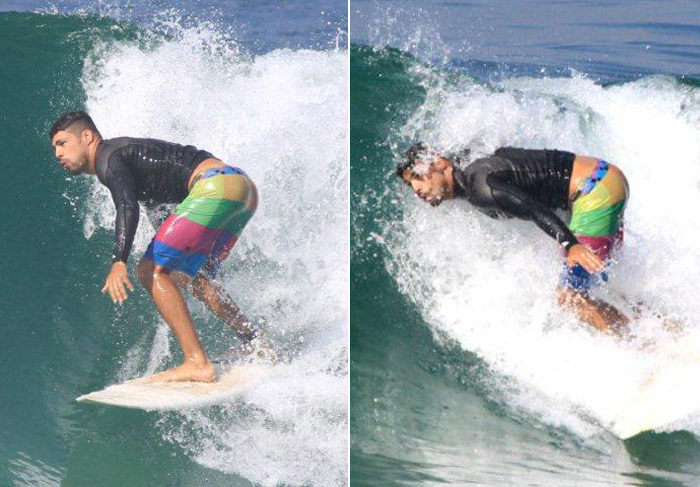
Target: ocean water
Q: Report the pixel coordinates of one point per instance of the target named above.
(263, 86)
(463, 369)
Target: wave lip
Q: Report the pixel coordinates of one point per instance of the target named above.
(609, 40)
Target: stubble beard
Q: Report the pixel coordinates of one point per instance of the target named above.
(83, 167)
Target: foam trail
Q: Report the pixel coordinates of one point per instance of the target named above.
(491, 285)
(282, 117)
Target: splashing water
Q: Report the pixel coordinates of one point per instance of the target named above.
(282, 117)
(491, 285)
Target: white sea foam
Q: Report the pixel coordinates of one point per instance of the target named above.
(491, 285)
(282, 117)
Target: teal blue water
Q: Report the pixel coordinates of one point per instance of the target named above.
(63, 338)
(463, 370)
(60, 342)
(259, 26)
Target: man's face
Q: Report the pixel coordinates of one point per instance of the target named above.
(71, 150)
(430, 181)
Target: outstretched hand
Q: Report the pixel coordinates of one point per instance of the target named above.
(585, 257)
(117, 282)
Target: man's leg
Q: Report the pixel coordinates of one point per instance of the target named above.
(220, 303)
(597, 221)
(172, 307)
(602, 316)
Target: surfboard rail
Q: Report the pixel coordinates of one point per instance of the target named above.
(158, 396)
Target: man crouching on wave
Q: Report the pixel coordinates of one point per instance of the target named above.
(215, 202)
(530, 185)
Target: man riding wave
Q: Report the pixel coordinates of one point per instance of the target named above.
(214, 201)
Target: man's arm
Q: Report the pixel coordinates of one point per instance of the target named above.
(517, 203)
(121, 184)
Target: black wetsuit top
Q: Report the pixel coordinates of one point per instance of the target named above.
(521, 183)
(148, 170)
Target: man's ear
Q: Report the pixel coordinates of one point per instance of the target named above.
(88, 136)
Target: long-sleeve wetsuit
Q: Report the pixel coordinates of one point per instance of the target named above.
(521, 183)
(147, 170)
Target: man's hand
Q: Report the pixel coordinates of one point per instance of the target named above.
(585, 257)
(116, 280)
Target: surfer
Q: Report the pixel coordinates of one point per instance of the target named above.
(530, 185)
(215, 202)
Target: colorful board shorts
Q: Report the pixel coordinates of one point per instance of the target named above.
(200, 233)
(597, 214)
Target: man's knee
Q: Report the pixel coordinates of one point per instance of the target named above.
(144, 273)
(180, 279)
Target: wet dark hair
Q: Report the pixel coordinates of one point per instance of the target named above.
(412, 155)
(69, 119)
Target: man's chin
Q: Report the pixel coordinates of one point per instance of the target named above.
(80, 169)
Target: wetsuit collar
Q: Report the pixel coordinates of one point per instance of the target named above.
(458, 189)
(93, 162)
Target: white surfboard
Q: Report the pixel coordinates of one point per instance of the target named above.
(150, 396)
(669, 395)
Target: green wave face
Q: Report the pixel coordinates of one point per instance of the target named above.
(56, 334)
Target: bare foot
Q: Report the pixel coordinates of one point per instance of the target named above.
(194, 372)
